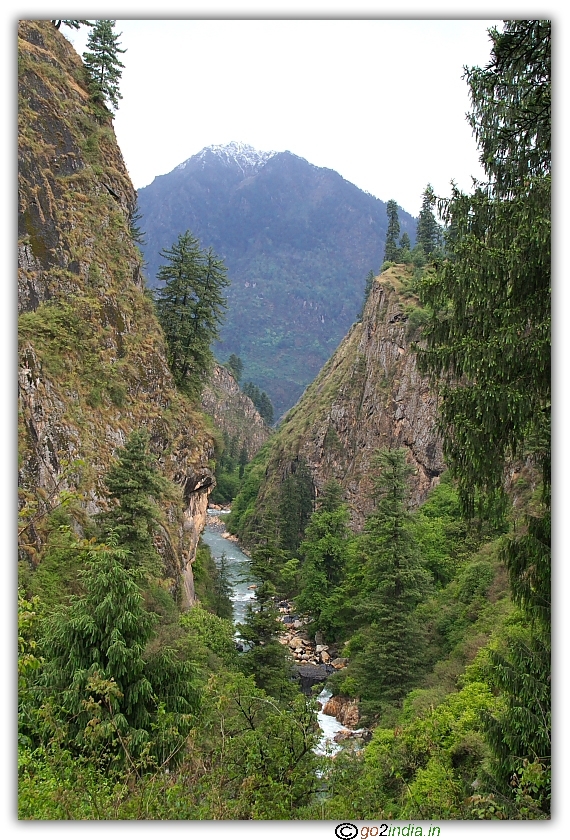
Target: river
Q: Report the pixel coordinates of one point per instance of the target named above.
(238, 573)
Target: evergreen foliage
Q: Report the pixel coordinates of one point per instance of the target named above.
(190, 308)
(94, 647)
(295, 505)
(137, 233)
(260, 400)
(235, 366)
(488, 344)
(390, 659)
(134, 489)
(324, 553)
(428, 232)
(101, 60)
(489, 336)
(520, 732)
(391, 250)
(266, 659)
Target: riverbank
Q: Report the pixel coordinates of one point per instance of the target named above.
(314, 661)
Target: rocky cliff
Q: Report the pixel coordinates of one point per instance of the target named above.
(368, 396)
(92, 360)
(233, 412)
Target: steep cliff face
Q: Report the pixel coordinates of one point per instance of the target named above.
(92, 361)
(369, 395)
(233, 412)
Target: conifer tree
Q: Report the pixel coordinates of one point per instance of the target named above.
(73, 24)
(102, 682)
(324, 551)
(134, 487)
(243, 460)
(488, 344)
(235, 366)
(101, 60)
(100, 637)
(428, 233)
(295, 505)
(391, 250)
(394, 583)
(223, 589)
(266, 660)
(190, 308)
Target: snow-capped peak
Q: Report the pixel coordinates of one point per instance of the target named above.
(248, 159)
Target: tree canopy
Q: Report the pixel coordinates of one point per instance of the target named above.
(391, 251)
(488, 346)
(488, 341)
(428, 232)
(102, 63)
(190, 308)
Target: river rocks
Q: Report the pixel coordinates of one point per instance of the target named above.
(310, 675)
(359, 737)
(343, 709)
(339, 663)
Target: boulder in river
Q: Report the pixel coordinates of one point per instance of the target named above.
(343, 709)
(310, 675)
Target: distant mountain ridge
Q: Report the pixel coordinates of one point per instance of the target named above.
(298, 241)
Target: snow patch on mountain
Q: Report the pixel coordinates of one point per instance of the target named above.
(248, 159)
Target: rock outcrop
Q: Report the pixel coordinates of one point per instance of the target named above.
(369, 395)
(343, 709)
(92, 359)
(233, 412)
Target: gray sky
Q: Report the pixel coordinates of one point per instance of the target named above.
(380, 101)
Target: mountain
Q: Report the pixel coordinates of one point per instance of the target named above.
(298, 241)
(92, 361)
(369, 395)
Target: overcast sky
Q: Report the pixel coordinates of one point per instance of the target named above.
(382, 102)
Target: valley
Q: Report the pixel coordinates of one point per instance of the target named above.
(293, 487)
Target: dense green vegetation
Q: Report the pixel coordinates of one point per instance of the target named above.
(102, 64)
(116, 686)
(130, 709)
(190, 308)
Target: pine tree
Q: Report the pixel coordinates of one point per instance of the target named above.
(489, 336)
(190, 308)
(235, 366)
(105, 686)
(295, 505)
(100, 637)
(488, 344)
(390, 662)
(243, 460)
(428, 232)
(265, 408)
(134, 487)
(324, 551)
(391, 251)
(104, 69)
(223, 589)
(73, 24)
(266, 660)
